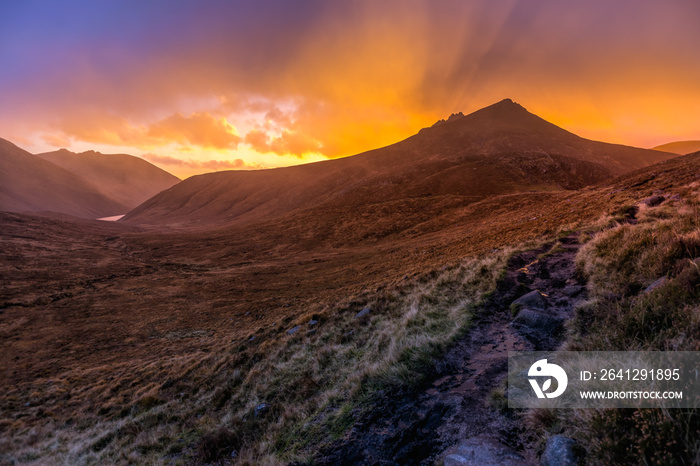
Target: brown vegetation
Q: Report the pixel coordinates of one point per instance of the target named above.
(131, 344)
(622, 258)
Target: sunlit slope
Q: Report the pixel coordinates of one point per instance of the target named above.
(124, 178)
(30, 183)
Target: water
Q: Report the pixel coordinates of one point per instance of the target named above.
(113, 218)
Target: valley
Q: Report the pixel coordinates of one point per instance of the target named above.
(220, 316)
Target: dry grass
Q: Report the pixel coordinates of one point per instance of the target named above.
(310, 381)
(621, 260)
(124, 346)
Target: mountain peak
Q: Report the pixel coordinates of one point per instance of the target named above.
(505, 109)
(505, 105)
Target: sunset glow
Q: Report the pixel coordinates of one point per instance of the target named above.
(201, 86)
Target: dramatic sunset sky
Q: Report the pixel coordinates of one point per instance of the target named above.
(197, 86)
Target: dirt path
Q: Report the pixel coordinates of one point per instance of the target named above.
(418, 427)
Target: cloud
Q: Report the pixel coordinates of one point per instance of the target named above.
(359, 74)
(56, 140)
(236, 164)
(288, 143)
(199, 129)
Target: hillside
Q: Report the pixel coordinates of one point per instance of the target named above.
(30, 183)
(680, 147)
(166, 340)
(124, 178)
(501, 149)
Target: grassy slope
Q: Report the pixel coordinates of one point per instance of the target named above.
(621, 260)
(309, 382)
(196, 405)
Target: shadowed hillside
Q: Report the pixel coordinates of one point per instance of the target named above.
(501, 149)
(124, 178)
(30, 183)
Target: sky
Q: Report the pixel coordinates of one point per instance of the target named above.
(199, 86)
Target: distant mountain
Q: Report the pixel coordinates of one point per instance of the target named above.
(89, 185)
(680, 147)
(501, 149)
(30, 183)
(124, 178)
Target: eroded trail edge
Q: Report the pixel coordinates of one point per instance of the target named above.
(453, 416)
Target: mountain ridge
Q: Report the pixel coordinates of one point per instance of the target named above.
(128, 179)
(499, 149)
(30, 183)
(679, 147)
(87, 185)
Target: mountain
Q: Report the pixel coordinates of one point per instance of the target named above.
(124, 178)
(680, 147)
(30, 183)
(501, 149)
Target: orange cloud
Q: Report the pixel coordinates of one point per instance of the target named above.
(199, 129)
(56, 140)
(352, 76)
(288, 143)
(237, 164)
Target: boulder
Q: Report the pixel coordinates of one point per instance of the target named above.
(293, 330)
(572, 291)
(654, 200)
(660, 282)
(363, 314)
(532, 300)
(482, 451)
(261, 410)
(560, 451)
(538, 320)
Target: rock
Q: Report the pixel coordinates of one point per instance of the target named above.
(538, 320)
(251, 339)
(572, 291)
(660, 282)
(560, 451)
(363, 314)
(532, 300)
(313, 322)
(261, 410)
(654, 200)
(311, 332)
(675, 197)
(293, 330)
(482, 451)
